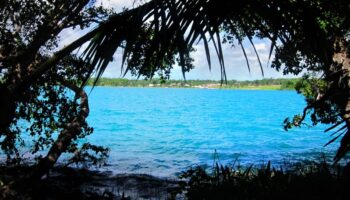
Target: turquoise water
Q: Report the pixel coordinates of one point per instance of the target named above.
(161, 131)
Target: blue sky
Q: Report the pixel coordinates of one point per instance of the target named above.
(236, 67)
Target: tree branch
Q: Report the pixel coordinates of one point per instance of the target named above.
(51, 62)
(66, 136)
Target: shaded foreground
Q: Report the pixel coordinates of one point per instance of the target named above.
(298, 181)
(69, 183)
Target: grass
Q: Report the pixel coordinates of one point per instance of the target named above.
(301, 181)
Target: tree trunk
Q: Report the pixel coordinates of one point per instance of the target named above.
(341, 90)
(65, 137)
(7, 107)
(341, 59)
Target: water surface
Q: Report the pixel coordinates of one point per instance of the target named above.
(161, 131)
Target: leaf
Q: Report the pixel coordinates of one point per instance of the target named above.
(207, 52)
(334, 126)
(273, 44)
(257, 55)
(344, 147)
(334, 139)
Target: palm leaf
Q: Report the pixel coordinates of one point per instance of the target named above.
(344, 147)
(333, 139)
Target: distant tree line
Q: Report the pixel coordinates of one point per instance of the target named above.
(280, 83)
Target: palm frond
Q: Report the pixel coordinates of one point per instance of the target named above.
(176, 24)
(344, 147)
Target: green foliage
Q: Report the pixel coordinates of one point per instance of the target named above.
(299, 181)
(290, 84)
(320, 108)
(140, 62)
(311, 87)
(88, 155)
(45, 106)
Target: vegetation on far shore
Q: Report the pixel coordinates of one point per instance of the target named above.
(263, 84)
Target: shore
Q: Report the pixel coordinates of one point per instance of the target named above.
(131, 186)
(261, 87)
(71, 183)
(313, 180)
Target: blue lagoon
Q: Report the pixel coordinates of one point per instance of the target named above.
(162, 131)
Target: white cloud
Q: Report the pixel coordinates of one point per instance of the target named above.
(260, 46)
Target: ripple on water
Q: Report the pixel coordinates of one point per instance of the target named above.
(164, 131)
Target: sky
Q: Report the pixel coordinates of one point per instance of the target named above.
(236, 67)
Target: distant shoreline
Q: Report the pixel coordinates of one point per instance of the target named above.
(269, 87)
(264, 84)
